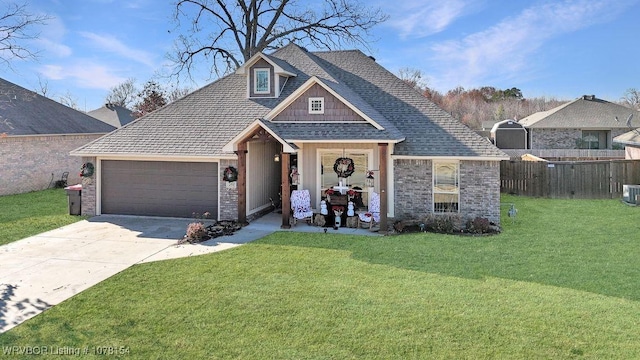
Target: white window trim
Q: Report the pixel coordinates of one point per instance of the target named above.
(433, 185)
(255, 80)
(311, 100)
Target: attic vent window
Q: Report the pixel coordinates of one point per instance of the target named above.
(316, 105)
(262, 79)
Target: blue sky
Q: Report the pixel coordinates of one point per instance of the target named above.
(562, 48)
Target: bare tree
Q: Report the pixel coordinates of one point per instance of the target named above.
(226, 33)
(43, 86)
(69, 100)
(123, 94)
(475, 106)
(17, 26)
(631, 98)
(414, 78)
(176, 93)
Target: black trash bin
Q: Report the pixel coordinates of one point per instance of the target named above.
(74, 193)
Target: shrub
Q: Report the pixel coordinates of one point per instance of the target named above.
(443, 223)
(196, 232)
(479, 225)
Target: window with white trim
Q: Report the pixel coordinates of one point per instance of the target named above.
(593, 139)
(261, 81)
(446, 187)
(316, 105)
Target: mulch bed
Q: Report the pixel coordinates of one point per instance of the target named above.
(217, 229)
(412, 227)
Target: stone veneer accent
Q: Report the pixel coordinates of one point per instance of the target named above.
(228, 196)
(565, 138)
(479, 189)
(88, 195)
(27, 162)
(554, 138)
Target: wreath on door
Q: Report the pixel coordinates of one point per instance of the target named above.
(344, 167)
(230, 174)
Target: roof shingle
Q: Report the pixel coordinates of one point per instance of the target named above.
(23, 112)
(201, 123)
(586, 112)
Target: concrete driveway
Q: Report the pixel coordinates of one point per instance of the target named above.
(44, 270)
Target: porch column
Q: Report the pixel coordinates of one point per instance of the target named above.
(242, 182)
(383, 151)
(286, 202)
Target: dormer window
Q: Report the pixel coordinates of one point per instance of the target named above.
(262, 81)
(316, 105)
(265, 76)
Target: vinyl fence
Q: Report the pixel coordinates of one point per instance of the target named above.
(568, 179)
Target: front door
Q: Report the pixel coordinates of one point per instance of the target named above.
(362, 161)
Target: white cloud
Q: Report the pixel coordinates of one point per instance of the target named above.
(84, 74)
(51, 39)
(506, 50)
(416, 19)
(54, 48)
(53, 72)
(111, 44)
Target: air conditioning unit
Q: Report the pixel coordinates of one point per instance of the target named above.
(631, 194)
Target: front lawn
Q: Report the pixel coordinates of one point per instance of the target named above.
(559, 283)
(24, 215)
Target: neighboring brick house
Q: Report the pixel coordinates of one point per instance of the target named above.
(36, 136)
(294, 108)
(584, 123)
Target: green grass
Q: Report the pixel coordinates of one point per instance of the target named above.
(24, 215)
(559, 283)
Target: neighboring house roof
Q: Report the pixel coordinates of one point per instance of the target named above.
(586, 112)
(629, 138)
(203, 122)
(23, 112)
(114, 115)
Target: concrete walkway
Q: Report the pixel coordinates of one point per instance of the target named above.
(44, 270)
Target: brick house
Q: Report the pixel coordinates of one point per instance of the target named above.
(294, 108)
(584, 123)
(36, 136)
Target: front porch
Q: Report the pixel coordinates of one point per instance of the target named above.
(272, 222)
(265, 163)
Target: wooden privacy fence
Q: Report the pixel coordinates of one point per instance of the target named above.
(568, 179)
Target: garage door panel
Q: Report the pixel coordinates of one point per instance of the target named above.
(157, 188)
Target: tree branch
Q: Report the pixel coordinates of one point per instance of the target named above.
(15, 26)
(246, 27)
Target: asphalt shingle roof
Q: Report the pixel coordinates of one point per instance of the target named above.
(23, 112)
(629, 138)
(201, 123)
(114, 115)
(583, 114)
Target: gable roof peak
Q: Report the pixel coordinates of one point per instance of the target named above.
(279, 66)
